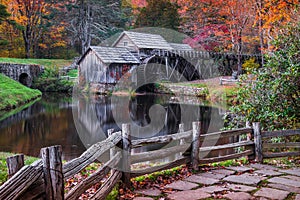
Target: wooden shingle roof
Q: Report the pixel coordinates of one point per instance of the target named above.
(110, 55)
(181, 47)
(146, 40)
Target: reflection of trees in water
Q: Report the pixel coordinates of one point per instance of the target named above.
(23, 114)
(33, 128)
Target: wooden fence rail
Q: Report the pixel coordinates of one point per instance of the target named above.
(274, 150)
(44, 179)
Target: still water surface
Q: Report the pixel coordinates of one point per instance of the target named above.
(76, 124)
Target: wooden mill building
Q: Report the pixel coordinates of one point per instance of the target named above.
(102, 67)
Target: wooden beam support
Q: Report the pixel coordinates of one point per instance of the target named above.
(257, 142)
(53, 176)
(14, 164)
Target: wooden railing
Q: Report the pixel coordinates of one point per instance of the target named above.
(45, 177)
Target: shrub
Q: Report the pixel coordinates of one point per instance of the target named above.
(274, 97)
(250, 65)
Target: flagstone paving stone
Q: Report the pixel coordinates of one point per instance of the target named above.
(292, 171)
(201, 179)
(284, 187)
(189, 195)
(182, 185)
(212, 175)
(142, 198)
(284, 181)
(223, 171)
(234, 183)
(212, 189)
(247, 179)
(295, 178)
(268, 172)
(238, 196)
(272, 193)
(241, 188)
(149, 192)
(240, 168)
(262, 166)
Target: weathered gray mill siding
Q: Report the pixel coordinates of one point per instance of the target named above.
(100, 68)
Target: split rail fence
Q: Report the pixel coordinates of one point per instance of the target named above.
(44, 179)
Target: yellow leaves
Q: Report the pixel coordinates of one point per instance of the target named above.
(60, 44)
(43, 46)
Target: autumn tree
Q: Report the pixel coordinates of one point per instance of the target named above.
(196, 14)
(54, 41)
(92, 21)
(271, 18)
(29, 14)
(10, 37)
(159, 13)
(238, 19)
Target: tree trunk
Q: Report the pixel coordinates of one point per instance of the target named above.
(26, 42)
(261, 41)
(260, 29)
(239, 54)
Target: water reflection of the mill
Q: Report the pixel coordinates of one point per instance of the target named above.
(149, 115)
(95, 116)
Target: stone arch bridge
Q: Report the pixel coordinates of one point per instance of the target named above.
(22, 73)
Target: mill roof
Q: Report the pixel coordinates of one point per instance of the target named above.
(146, 40)
(182, 47)
(110, 55)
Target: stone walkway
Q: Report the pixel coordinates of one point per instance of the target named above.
(256, 181)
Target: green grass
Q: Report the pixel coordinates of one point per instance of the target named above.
(154, 175)
(73, 73)
(233, 162)
(3, 168)
(13, 93)
(43, 62)
(196, 85)
(225, 93)
(113, 194)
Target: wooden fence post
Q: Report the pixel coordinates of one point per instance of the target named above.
(257, 142)
(181, 130)
(126, 160)
(112, 150)
(14, 164)
(249, 137)
(180, 142)
(196, 145)
(53, 175)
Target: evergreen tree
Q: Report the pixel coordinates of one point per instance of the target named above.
(159, 13)
(3, 13)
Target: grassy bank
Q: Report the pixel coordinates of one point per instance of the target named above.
(14, 94)
(43, 62)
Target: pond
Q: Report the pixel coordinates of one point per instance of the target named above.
(77, 123)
